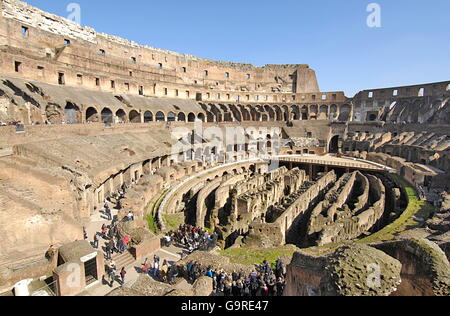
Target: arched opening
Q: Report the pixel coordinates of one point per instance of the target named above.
(334, 145)
(92, 115)
(323, 115)
(72, 114)
(305, 113)
(333, 112)
(134, 117)
(160, 117)
(313, 112)
(171, 117)
(295, 113)
(345, 113)
(271, 112)
(181, 117)
(278, 113)
(148, 117)
(191, 117)
(121, 116)
(107, 116)
(201, 117)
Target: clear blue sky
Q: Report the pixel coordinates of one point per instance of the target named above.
(411, 47)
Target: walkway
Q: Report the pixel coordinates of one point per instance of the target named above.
(172, 254)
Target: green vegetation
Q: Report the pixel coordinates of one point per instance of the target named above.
(249, 257)
(415, 209)
(151, 211)
(173, 221)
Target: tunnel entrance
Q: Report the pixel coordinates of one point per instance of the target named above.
(334, 145)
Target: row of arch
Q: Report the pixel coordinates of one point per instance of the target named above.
(72, 115)
(213, 113)
(229, 113)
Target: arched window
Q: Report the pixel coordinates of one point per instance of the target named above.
(134, 117)
(181, 117)
(121, 116)
(201, 117)
(72, 113)
(171, 117)
(191, 117)
(92, 115)
(107, 116)
(160, 117)
(148, 117)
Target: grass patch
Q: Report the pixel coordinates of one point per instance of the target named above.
(151, 217)
(416, 208)
(248, 257)
(173, 221)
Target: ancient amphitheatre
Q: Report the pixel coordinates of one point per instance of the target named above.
(340, 187)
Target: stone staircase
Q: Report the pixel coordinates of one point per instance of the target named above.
(123, 260)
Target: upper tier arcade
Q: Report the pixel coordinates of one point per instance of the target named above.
(37, 45)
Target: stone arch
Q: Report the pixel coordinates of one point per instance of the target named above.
(271, 112)
(323, 112)
(134, 116)
(305, 113)
(255, 116)
(245, 113)
(201, 117)
(107, 116)
(160, 117)
(313, 112)
(333, 112)
(191, 117)
(295, 110)
(333, 147)
(72, 114)
(171, 117)
(181, 117)
(148, 117)
(92, 115)
(210, 117)
(121, 116)
(286, 113)
(278, 113)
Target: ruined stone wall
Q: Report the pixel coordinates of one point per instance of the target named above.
(57, 45)
(425, 268)
(201, 200)
(360, 221)
(324, 213)
(427, 103)
(289, 220)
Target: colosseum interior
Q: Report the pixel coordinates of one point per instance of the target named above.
(258, 155)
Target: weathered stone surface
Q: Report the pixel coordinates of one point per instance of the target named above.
(353, 272)
(203, 287)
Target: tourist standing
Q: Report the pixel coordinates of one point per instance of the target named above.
(96, 240)
(122, 275)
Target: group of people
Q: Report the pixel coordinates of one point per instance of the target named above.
(262, 282)
(114, 243)
(112, 274)
(191, 238)
(165, 272)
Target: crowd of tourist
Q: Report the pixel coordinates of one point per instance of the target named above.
(114, 242)
(263, 281)
(191, 238)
